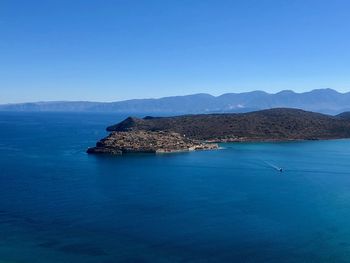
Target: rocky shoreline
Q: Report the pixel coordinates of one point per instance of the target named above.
(118, 143)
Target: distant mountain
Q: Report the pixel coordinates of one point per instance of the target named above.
(272, 124)
(344, 115)
(322, 100)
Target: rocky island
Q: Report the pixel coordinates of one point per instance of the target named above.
(203, 131)
(148, 142)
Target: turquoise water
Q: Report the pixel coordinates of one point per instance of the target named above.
(58, 204)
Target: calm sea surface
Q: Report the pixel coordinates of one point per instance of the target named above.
(58, 204)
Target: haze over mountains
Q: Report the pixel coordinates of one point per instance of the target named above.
(321, 100)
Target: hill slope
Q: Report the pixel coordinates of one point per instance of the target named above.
(344, 115)
(274, 124)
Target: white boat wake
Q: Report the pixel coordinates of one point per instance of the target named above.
(274, 166)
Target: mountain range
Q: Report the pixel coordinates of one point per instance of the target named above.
(326, 101)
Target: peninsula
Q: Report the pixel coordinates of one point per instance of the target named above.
(204, 131)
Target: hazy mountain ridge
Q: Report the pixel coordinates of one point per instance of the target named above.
(321, 100)
(344, 115)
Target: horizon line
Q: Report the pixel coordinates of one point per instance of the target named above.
(172, 96)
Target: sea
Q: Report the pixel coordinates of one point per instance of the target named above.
(59, 204)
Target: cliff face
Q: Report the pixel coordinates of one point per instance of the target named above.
(274, 124)
(147, 142)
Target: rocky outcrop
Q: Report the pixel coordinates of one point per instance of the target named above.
(148, 142)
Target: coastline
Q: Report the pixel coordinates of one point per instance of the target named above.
(272, 140)
(207, 145)
(156, 142)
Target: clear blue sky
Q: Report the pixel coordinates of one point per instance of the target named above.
(112, 50)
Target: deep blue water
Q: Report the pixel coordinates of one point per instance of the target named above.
(58, 204)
